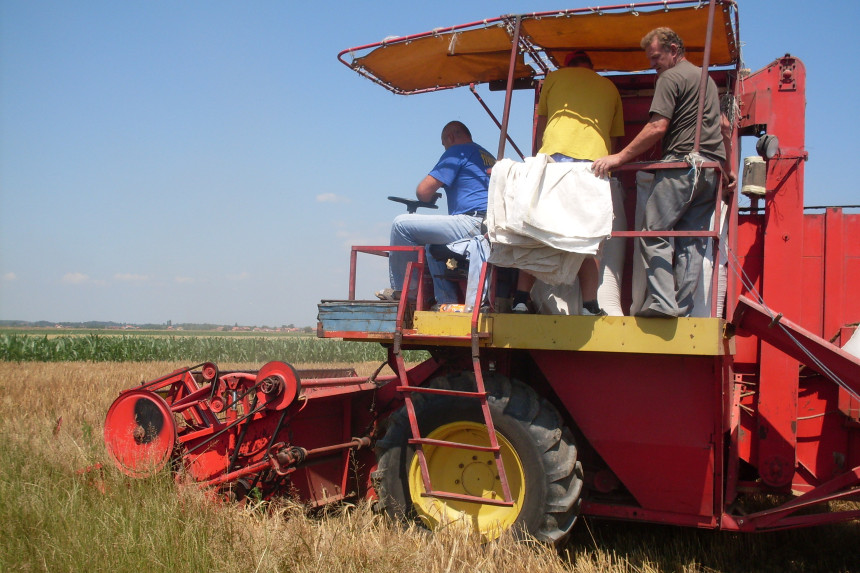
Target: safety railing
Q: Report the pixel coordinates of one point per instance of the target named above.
(384, 251)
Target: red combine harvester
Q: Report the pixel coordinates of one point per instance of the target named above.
(525, 422)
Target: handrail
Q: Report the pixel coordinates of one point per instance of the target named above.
(714, 234)
(383, 251)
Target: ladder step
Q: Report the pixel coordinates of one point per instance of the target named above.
(468, 498)
(443, 443)
(443, 392)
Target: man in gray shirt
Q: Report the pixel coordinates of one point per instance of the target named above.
(681, 199)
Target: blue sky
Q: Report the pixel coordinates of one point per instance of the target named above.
(213, 161)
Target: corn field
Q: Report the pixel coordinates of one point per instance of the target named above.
(196, 348)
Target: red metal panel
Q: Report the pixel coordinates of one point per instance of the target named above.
(822, 443)
(811, 276)
(652, 418)
(851, 275)
(832, 275)
(322, 423)
(750, 257)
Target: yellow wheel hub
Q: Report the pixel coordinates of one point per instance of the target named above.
(467, 472)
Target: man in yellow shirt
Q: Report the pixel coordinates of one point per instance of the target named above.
(579, 112)
(579, 119)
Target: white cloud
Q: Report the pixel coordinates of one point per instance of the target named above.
(75, 278)
(239, 277)
(130, 277)
(331, 198)
(10, 277)
(184, 280)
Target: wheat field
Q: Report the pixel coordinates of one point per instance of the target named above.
(55, 517)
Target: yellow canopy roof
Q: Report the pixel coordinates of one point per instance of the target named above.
(481, 52)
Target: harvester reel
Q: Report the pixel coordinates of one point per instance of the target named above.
(140, 433)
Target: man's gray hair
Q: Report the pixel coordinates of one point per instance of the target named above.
(665, 38)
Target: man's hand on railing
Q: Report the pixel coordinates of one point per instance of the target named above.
(604, 165)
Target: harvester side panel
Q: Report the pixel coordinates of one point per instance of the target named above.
(824, 428)
(652, 418)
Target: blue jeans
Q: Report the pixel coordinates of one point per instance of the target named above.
(413, 229)
(477, 250)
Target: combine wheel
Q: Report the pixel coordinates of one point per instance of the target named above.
(543, 473)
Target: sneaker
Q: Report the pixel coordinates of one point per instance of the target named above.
(388, 295)
(586, 312)
(520, 308)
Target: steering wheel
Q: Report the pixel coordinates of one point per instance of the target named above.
(413, 204)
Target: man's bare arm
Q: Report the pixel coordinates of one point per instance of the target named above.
(427, 189)
(653, 132)
(730, 178)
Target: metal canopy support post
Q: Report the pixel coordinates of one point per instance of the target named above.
(703, 84)
(495, 120)
(515, 43)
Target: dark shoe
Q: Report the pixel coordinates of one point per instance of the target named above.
(591, 308)
(587, 312)
(388, 294)
(654, 313)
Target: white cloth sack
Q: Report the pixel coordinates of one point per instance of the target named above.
(545, 217)
(566, 299)
(612, 257)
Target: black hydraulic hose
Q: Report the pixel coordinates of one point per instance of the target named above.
(277, 429)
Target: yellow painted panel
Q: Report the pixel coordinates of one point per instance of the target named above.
(684, 336)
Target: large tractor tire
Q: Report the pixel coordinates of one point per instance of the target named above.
(538, 452)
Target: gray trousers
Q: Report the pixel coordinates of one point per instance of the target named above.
(674, 268)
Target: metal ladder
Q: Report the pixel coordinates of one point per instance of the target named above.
(481, 394)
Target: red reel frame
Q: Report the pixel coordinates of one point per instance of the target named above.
(279, 384)
(140, 433)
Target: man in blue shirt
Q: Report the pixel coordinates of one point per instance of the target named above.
(463, 171)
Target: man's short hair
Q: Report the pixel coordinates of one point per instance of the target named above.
(665, 38)
(577, 58)
(456, 127)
